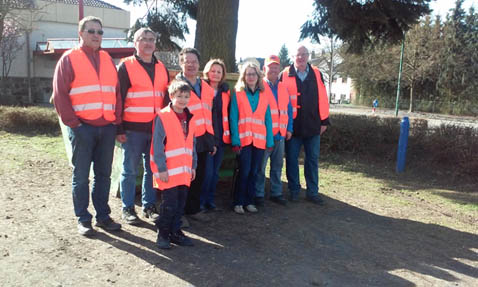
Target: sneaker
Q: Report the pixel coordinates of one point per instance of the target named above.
(85, 229)
(163, 243)
(316, 200)
(151, 213)
(108, 225)
(179, 238)
(279, 200)
(251, 208)
(129, 216)
(238, 209)
(259, 201)
(184, 222)
(200, 216)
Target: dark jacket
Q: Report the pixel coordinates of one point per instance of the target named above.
(217, 114)
(307, 122)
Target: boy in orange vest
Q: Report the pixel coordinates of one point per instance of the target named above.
(173, 163)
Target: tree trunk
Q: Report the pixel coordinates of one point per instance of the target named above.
(411, 97)
(216, 31)
(331, 68)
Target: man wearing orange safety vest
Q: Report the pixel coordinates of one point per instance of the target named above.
(200, 105)
(87, 99)
(281, 113)
(144, 82)
(311, 118)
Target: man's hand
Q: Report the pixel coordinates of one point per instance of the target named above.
(121, 138)
(288, 135)
(163, 176)
(213, 152)
(193, 174)
(323, 129)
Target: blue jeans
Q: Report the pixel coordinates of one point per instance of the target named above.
(137, 146)
(171, 210)
(277, 161)
(91, 144)
(211, 177)
(250, 160)
(311, 164)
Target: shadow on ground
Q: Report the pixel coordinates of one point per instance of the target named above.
(306, 245)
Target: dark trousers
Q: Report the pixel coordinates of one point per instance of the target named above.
(250, 160)
(193, 203)
(172, 206)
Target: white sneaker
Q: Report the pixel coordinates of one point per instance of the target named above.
(238, 209)
(251, 208)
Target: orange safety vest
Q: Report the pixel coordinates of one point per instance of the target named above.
(93, 96)
(252, 126)
(226, 98)
(291, 85)
(280, 119)
(178, 151)
(144, 99)
(201, 108)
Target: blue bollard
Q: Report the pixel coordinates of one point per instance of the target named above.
(402, 144)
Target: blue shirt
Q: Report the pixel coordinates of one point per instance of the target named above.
(274, 88)
(302, 75)
(234, 118)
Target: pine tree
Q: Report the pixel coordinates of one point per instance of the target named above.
(284, 57)
(380, 20)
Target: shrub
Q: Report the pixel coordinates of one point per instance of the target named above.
(447, 147)
(31, 120)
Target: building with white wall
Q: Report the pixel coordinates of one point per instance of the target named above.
(53, 29)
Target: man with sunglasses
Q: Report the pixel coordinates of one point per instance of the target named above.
(87, 98)
(144, 83)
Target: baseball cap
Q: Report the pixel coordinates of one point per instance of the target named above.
(272, 59)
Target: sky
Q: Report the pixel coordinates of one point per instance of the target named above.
(265, 25)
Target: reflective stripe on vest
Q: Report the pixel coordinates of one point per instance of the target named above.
(278, 108)
(178, 151)
(226, 99)
(251, 125)
(291, 84)
(201, 109)
(144, 98)
(92, 93)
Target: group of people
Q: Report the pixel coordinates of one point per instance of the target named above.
(179, 130)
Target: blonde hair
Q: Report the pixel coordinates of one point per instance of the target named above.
(241, 81)
(208, 67)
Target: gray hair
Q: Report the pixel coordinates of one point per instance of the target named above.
(142, 31)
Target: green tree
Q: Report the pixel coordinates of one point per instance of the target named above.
(216, 25)
(380, 20)
(284, 57)
(167, 18)
(451, 81)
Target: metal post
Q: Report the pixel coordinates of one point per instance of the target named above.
(399, 75)
(402, 144)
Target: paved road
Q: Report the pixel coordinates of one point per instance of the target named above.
(433, 119)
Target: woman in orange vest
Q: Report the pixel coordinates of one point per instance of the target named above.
(173, 163)
(251, 133)
(214, 75)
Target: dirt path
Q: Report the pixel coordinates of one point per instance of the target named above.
(369, 234)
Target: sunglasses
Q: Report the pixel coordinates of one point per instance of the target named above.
(92, 31)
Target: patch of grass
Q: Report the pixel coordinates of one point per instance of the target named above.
(29, 120)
